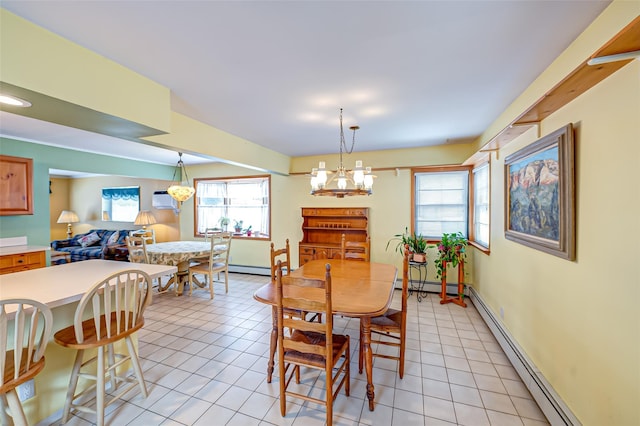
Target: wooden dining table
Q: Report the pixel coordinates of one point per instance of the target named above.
(358, 290)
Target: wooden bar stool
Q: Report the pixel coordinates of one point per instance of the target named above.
(115, 308)
(21, 351)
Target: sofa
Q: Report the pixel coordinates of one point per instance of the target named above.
(95, 244)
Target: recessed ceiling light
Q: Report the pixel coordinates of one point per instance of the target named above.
(12, 100)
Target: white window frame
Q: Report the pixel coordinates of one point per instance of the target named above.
(450, 200)
(481, 213)
(224, 200)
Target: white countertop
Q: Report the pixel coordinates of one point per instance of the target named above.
(62, 284)
(21, 249)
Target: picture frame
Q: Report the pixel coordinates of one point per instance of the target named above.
(16, 186)
(540, 194)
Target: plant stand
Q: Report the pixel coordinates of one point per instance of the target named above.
(459, 299)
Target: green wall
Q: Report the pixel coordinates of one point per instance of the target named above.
(36, 227)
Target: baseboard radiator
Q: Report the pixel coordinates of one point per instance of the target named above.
(253, 270)
(548, 400)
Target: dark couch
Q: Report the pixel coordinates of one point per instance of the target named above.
(101, 248)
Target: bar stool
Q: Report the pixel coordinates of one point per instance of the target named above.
(21, 351)
(115, 308)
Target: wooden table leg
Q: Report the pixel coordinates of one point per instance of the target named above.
(365, 322)
(274, 343)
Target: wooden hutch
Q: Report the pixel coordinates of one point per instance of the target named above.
(322, 229)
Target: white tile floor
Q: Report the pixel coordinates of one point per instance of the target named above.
(205, 362)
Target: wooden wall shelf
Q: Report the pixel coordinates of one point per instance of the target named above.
(573, 85)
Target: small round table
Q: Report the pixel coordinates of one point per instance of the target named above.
(177, 253)
(417, 285)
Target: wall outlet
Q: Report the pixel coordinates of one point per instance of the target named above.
(27, 390)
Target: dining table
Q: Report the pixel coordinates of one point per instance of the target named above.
(358, 290)
(179, 254)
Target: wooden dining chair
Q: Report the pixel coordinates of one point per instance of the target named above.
(137, 247)
(355, 250)
(149, 235)
(310, 344)
(392, 326)
(217, 262)
(21, 352)
(109, 312)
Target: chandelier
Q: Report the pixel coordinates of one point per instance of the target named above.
(358, 181)
(182, 191)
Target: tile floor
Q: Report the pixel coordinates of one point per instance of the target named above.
(205, 361)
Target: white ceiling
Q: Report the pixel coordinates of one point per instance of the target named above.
(409, 73)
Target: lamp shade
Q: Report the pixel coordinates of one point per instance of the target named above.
(181, 192)
(144, 218)
(68, 216)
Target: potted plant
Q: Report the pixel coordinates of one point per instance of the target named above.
(224, 222)
(418, 246)
(401, 240)
(248, 231)
(237, 225)
(452, 250)
(416, 242)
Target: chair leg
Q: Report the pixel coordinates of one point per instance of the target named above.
(4, 417)
(402, 350)
(100, 383)
(347, 356)
(360, 351)
(226, 280)
(15, 408)
(329, 395)
(73, 383)
(112, 361)
(135, 362)
(211, 285)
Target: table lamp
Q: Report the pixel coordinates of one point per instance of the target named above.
(144, 218)
(68, 217)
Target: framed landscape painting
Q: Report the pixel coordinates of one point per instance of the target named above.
(540, 194)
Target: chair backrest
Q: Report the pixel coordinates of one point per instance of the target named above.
(149, 235)
(24, 344)
(115, 304)
(220, 247)
(355, 250)
(284, 256)
(304, 287)
(210, 232)
(137, 249)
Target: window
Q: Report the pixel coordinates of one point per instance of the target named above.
(480, 230)
(243, 199)
(441, 202)
(120, 204)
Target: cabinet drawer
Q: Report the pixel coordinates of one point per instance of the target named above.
(304, 259)
(307, 251)
(22, 262)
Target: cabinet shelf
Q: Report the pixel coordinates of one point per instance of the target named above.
(322, 229)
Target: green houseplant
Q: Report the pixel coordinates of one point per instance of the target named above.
(237, 225)
(452, 250)
(224, 222)
(416, 242)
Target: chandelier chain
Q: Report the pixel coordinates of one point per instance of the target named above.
(343, 143)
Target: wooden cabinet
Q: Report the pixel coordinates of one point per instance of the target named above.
(16, 185)
(322, 229)
(22, 262)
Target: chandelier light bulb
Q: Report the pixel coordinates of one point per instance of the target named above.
(368, 179)
(358, 174)
(322, 175)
